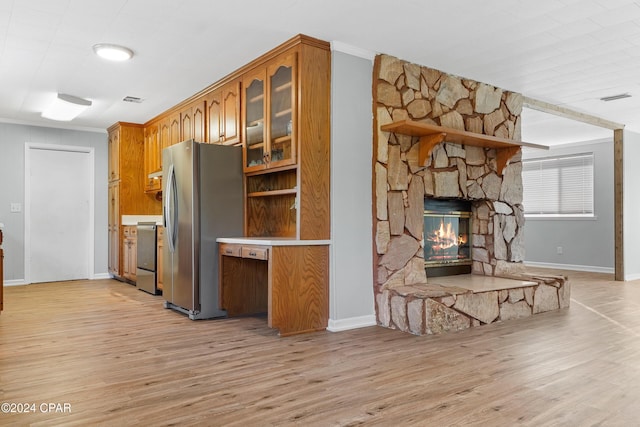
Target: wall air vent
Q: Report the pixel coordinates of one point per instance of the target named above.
(615, 97)
(132, 99)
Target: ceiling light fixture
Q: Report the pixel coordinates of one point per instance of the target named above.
(112, 52)
(65, 108)
(615, 97)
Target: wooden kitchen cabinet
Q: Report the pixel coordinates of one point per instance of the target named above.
(130, 252)
(175, 128)
(114, 156)
(223, 114)
(126, 193)
(269, 114)
(192, 121)
(152, 158)
(170, 130)
(163, 133)
(114, 228)
(286, 104)
(243, 280)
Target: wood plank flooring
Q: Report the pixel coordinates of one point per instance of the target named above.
(117, 357)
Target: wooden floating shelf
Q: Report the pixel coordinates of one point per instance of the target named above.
(432, 135)
(273, 193)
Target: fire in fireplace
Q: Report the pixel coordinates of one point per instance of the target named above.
(447, 235)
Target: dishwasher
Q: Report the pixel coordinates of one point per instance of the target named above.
(147, 247)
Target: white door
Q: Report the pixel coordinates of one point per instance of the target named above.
(58, 213)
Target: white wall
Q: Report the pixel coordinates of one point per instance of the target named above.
(351, 286)
(631, 209)
(588, 244)
(12, 140)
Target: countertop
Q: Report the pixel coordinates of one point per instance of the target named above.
(271, 241)
(135, 219)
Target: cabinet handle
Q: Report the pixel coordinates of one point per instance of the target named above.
(228, 251)
(252, 254)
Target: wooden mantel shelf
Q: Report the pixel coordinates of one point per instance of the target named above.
(432, 135)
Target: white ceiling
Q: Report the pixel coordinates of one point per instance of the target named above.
(566, 52)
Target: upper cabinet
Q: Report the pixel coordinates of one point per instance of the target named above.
(287, 142)
(223, 114)
(114, 156)
(192, 121)
(175, 128)
(269, 114)
(169, 131)
(152, 158)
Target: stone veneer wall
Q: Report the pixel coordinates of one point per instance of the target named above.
(407, 91)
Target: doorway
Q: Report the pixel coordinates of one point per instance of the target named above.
(58, 212)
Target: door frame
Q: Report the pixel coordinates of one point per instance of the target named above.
(28, 147)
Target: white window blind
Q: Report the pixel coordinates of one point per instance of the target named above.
(558, 186)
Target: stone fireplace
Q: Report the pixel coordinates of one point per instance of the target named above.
(406, 174)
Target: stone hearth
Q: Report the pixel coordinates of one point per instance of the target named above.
(454, 303)
(405, 91)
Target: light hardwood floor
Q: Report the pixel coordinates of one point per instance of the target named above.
(118, 358)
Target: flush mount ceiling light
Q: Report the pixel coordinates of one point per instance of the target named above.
(65, 108)
(112, 52)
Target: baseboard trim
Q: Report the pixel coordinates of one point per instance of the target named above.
(630, 277)
(572, 267)
(15, 282)
(20, 282)
(351, 323)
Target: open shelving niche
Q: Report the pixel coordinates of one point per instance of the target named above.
(432, 135)
(272, 202)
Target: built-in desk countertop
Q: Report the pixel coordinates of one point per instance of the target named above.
(135, 219)
(287, 278)
(271, 241)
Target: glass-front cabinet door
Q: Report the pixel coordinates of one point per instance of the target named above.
(254, 118)
(282, 107)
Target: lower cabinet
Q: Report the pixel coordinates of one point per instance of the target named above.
(130, 252)
(287, 281)
(244, 280)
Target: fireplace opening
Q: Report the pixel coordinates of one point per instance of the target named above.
(447, 237)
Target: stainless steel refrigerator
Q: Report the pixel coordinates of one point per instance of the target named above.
(202, 200)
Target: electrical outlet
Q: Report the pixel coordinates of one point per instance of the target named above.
(16, 207)
(559, 250)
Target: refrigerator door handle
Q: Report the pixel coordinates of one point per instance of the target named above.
(170, 209)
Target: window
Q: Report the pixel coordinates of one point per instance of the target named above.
(558, 186)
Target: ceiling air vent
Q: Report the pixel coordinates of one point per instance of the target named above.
(132, 99)
(615, 97)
